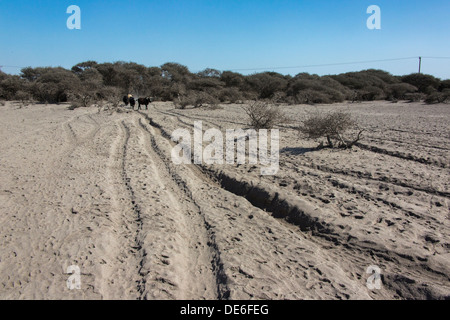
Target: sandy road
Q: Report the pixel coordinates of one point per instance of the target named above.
(100, 191)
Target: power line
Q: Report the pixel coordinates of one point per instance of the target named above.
(311, 65)
(327, 64)
(436, 57)
(12, 67)
(335, 64)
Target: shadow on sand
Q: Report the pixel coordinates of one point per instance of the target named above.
(297, 151)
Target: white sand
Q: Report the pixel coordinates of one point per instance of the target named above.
(99, 190)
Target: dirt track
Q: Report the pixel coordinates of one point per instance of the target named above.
(99, 190)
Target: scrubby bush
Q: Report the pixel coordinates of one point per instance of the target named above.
(87, 93)
(331, 126)
(266, 84)
(311, 96)
(176, 72)
(423, 82)
(445, 84)
(205, 84)
(110, 94)
(230, 95)
(311, 89)
(232, 79)
(264, 115)
(367, 85)
(414, 97)
(398, 91)
(196, 99)
(23, 96)
(51, 85)
(183, 101)
(9, 87)
(205, 99)
(438, 97)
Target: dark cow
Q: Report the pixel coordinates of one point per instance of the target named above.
(145, 102)
(132, 102)
(125, 100)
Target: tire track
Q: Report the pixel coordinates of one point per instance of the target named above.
(400, 155)
(172, 257)
(384, 179)
(177, 115)
(356, 187)
(408, 144)
(135, 208)
(126, 254)
(201, 237)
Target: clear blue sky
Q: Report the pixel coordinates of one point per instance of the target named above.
(229, 34)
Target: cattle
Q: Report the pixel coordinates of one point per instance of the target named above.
(145, 102)
(125, 100)
(132, 102)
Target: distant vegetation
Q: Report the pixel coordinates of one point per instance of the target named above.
(90, 81)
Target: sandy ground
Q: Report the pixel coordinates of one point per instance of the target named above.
(98, 190)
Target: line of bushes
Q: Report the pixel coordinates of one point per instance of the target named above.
(91, 81)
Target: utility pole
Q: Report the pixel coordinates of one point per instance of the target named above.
(420, 64)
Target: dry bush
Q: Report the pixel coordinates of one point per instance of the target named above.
(23, 97)
(230, 95)
(438, 97)
(185, 100)
(264, 115)
(331, 126)
(414, 97)
(197, 99)
(205, 99)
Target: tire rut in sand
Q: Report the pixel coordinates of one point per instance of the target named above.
(158, 251)
(124, 280)
(201, 254)
(171, 254)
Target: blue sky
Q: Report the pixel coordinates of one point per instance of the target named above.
(229, 34)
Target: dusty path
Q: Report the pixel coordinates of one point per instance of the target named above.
(99, 190)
